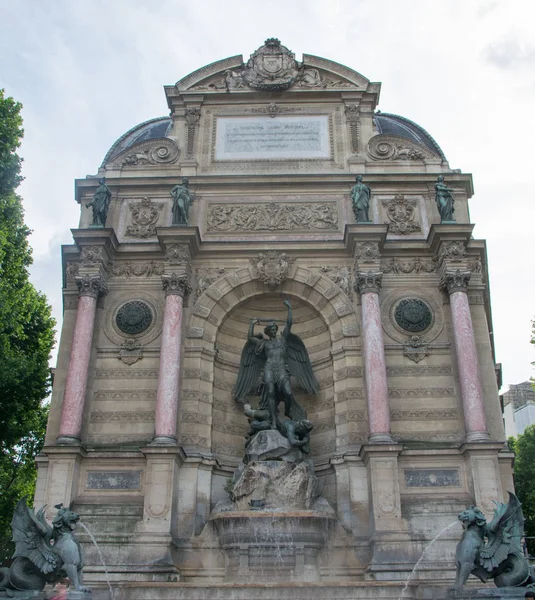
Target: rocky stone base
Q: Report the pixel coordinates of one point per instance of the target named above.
(274, 484)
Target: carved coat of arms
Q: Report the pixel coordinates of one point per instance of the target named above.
(272, 267)
(145, 215)
(401, 213)
(271, 67)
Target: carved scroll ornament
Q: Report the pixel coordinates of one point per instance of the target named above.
(153, 152)
(392, 147)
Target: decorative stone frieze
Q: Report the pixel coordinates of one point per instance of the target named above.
(136, 269)
(273, 216)
(412, 265)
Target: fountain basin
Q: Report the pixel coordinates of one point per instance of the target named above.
(276, 545)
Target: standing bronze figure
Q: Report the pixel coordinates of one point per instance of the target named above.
(360, 200)
(445, 201)
(100, 203)
(279, 358)
(182, 201)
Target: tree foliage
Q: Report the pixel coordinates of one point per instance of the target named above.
(524, 448)
(26, 335)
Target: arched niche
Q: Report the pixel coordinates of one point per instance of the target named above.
(210, 422)
(229, 425)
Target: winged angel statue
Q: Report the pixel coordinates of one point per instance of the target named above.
(501, 557)
(279, 359)
(43, 554)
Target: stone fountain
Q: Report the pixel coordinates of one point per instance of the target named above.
(274, 523)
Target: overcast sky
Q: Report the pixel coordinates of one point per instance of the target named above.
(86, 71)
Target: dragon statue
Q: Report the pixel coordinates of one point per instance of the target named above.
(500, 556)
(43, 554)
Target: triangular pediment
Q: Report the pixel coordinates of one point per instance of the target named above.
(273, 68)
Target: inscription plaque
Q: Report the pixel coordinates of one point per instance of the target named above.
(113, 480)
(249, 138)
(432, 477)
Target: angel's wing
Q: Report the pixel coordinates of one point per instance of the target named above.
(299, 364)
(32, 535)
(508, 523)
(251, 364)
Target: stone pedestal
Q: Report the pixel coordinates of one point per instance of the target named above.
(388, 531)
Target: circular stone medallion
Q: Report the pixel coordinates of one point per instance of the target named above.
(413, 315)
(133, 317)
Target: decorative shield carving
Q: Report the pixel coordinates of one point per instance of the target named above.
(272, 67)
(145, 215)
(272, 267)
(415, 348)
(401, 214)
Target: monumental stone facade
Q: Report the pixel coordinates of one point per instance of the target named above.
(144, 433)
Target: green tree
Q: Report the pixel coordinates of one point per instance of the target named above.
(524, 448)
(26, 336)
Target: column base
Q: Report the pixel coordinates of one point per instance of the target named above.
(381, 438)
(164, 440)
(68, 440)
(477, 436)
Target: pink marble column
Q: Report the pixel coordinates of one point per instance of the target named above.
(90, 286)
(456, 283)
(167, 395)
(368, 284)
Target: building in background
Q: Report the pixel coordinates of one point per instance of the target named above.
(518, 408)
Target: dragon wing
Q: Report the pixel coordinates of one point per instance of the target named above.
(507, 523)
(32, 535)
(299, 364)
(251, 365)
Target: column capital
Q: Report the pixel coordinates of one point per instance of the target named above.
(455, 281)
(174, 284)
(369, 281)
(91, 285)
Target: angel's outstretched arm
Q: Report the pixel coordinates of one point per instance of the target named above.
(289, 320)
(250, 335)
